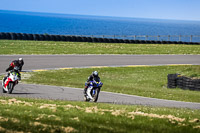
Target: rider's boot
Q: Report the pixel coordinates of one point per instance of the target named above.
(85, 91)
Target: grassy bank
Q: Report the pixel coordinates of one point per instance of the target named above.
(143, 81)
(50, 47)
(28, 115)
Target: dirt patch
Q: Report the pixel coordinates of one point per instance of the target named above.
(49, 106)
(194, 120)
(170, 117)
(16, 102)
(118, 112)
(68, 129)
(75, 119)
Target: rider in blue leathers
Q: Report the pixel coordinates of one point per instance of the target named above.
(93, 77)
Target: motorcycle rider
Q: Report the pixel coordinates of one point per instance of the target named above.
(16, 66)
(19, 63)
(93, 77)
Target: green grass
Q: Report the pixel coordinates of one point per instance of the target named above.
(50, 47)
(30, 115)
(142, 81)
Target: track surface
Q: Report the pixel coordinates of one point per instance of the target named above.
(65, 93)
(76, 94)
(60, 61)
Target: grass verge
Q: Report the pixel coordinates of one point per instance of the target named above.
(149, 81)
(50, 47)
(28, 115)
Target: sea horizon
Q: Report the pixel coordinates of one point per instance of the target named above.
(75, 24)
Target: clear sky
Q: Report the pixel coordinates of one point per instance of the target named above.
(161, 9)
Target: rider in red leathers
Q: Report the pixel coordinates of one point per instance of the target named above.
(15, 65)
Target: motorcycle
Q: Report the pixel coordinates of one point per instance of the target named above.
(10, 82)
(94, 88)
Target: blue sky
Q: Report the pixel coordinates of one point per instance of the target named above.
(161, 9)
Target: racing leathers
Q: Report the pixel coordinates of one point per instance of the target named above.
(16, 66)
(15, 63)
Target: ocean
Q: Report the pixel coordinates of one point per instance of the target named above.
(68, 24)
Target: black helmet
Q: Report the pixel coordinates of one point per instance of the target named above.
(95, 73)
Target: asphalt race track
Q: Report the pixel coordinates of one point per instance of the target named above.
(76, 94)
(61, 61)
(64, 93)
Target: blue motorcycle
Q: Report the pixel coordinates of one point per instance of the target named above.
(93, 89)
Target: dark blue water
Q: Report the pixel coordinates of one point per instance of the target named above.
(66, 24)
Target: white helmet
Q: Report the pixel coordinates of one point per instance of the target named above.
(20, 59)
(95, 73)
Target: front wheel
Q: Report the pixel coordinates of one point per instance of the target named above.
(10, 87)
(3, 87)
(96, 95)
(3, 90)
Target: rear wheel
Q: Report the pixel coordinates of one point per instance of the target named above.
(85, 99)
(10, 87)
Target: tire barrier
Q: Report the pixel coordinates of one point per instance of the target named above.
(89, 39)
(100, 39)
(132, 41)
(8, 36)
(79, 39)
(36, 37)
(63, 38)
(84, 39)
(30, 36)
(126, 41)
(24, 36)
(51, 37)
(13, 36)
(2, 35)
(183, 82)
(115, 40)
(112, 40)
(19, 36)
(94, 39)
(46, 37)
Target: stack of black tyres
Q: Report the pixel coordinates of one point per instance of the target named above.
(176, 80)
(179, 81)
(172, 80)
(186, 82)
(196, 83)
